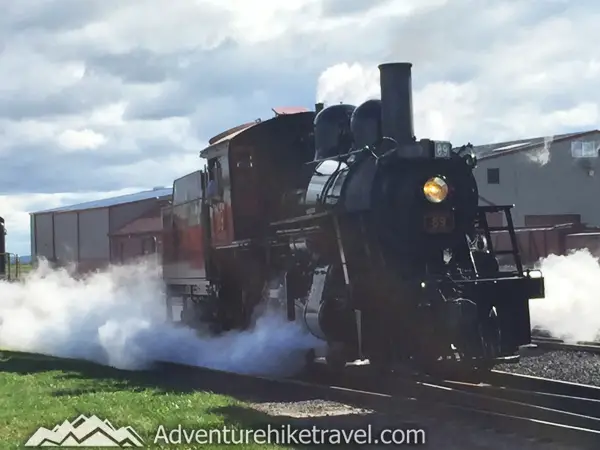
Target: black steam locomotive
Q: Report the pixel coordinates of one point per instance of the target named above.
(370, 238)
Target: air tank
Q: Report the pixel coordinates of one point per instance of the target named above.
(3, 257)
(396, 102)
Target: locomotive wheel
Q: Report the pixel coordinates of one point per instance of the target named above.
(336, 358)
(380, 359)
(310, 358)
(380, 367)
(491, 338)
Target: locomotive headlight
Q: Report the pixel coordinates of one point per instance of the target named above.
(435, 190)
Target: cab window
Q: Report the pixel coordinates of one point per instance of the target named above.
(215, 180)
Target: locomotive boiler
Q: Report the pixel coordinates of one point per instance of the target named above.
(371, 239)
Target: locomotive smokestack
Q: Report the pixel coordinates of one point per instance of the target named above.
(396, 102)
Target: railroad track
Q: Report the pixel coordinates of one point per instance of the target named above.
(559, 344)
(536, 408)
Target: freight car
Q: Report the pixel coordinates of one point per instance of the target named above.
(371, 239)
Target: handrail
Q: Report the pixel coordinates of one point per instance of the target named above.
(10, 260)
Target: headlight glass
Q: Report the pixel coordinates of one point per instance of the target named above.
(435, 190)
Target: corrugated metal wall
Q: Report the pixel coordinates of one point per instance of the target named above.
(120, 215)
(44, 235)
(65, 237)
(93, 235)
(82, 236)
(127, 248)
(562, 185)
(32, 233)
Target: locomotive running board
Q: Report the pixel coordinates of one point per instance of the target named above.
(529, 286)
(511, 359)
(304, 218)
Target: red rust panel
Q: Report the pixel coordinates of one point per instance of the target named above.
(495, 219)
(590, 241)
(185, 244)
(280, 110)
(542, 220)
(222, 224)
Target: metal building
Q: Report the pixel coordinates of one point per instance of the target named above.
(550, 180)
(140, 237)
(81, 233)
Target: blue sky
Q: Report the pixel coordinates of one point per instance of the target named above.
(106, 97)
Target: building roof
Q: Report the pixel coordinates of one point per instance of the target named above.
(141, 225)
(159, 192)
(504, 148)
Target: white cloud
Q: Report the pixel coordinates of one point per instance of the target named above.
(80, 139)
(95, 95)
(348, 83)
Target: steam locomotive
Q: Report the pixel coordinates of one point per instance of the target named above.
(371, 239)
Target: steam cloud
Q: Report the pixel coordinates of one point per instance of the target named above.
(439, 107)
(348, 83)
(541, 155)
(117, 318)
(571, 309)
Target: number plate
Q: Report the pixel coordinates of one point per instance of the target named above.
(439, 222)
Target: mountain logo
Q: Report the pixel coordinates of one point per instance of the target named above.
(85, 432)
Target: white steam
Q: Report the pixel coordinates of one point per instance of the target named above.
(117, 318)
(348, 83)
(541, 155)
(571, 309)
(439, 107)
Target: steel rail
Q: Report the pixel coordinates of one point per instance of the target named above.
(559, 344)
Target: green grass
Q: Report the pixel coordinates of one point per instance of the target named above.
(22, 270)
(42, 391)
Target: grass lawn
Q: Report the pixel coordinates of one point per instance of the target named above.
(37, 392)
(23, 268)
(13, 271)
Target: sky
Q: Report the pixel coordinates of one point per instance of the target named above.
(105, 97)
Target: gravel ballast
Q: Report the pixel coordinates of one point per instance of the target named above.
(443, 431)
(572, 366)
